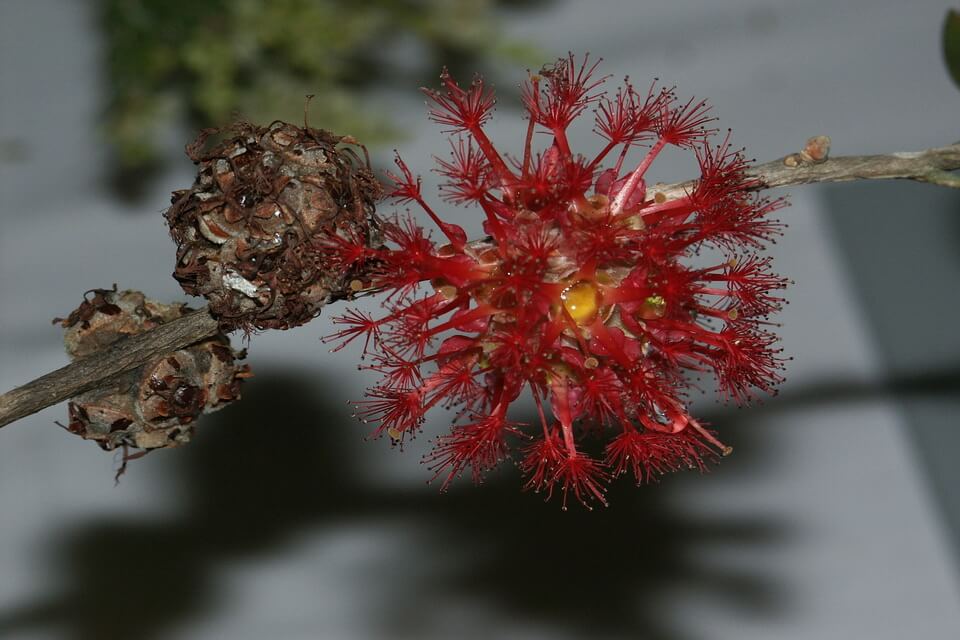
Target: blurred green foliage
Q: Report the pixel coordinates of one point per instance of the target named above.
(951, 44)
(207, 62)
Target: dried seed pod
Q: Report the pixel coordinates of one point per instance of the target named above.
(155, 405)
(251, 231)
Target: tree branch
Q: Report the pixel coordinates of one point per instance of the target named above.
(99, 369)
(933, 166)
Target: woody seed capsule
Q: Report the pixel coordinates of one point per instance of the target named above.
(250, 232)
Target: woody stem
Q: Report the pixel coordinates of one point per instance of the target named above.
(934, 166)
(98, 369)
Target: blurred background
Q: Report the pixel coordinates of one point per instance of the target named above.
(837, 516)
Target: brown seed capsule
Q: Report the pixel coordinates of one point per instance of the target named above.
(250, 232)
(155, 405)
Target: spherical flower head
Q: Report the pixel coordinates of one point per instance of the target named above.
(583, 294)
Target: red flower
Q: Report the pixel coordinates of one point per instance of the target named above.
(583, 293)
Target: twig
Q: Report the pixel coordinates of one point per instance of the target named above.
(98, 369)
(933, 166)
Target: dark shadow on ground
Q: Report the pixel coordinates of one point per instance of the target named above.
(277, 465)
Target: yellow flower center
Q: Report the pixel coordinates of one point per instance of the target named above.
(582, 302)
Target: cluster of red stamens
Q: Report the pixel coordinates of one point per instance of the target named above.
(579, 293)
